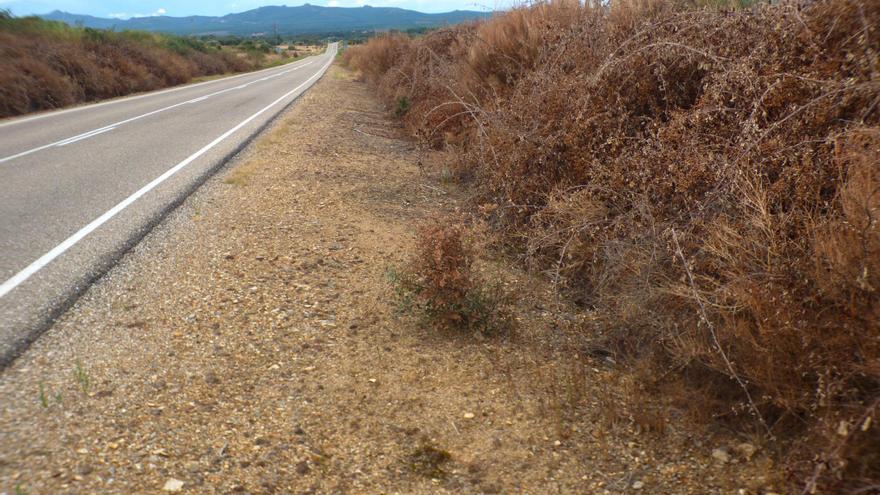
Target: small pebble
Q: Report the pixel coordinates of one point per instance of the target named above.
(173, 485)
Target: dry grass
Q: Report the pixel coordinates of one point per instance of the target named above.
(705, 180)
(242, 175)
(45, 64)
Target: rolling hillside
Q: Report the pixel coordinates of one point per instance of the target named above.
(287, 20)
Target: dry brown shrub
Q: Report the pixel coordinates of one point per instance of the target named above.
(441, 285)
(46, 65)
(705, 180)
(27, 85)
(379, 55)
(509, 46)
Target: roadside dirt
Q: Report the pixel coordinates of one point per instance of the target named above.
(250, 345)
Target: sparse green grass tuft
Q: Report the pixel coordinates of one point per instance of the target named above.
(44, 396)
(403, 106)
(83, 379)
(44, 401)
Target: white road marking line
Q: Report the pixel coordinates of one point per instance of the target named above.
(132, 119)
(53, 113)
(85, 136)
(58, 250)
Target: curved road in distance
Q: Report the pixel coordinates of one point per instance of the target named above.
(79, 187)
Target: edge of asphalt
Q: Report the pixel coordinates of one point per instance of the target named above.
(69, 297)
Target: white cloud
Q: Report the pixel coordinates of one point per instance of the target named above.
(124, 15)
(333, 3)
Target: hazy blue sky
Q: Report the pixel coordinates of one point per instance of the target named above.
(132, 8)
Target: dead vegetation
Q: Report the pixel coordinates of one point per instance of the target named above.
(46, 64)
(428, 461)
(441, 286)
(705, 181)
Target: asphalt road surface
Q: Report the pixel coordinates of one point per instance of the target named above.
(79, 187)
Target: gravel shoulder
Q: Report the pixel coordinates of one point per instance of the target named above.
(249, 344)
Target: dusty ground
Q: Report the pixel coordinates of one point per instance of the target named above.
(249, 344)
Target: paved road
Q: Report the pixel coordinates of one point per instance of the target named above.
(79, 187)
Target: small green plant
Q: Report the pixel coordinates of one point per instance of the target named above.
(404, 297)
(44, 396)
(82, 377)
(403, 106)
(44, 400)
(20, 490)
(440, 287)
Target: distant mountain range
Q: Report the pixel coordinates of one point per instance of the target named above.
(305, 19)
